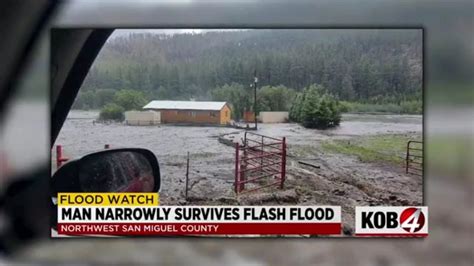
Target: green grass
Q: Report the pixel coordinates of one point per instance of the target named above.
(405, 107)
(448, 156)
(381, 148)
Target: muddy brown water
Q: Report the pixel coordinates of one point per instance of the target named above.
(339, 180)
(449, 198)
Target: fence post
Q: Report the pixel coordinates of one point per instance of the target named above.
(283, 162)
(187, 177)
(408, 156)
(261, 159)
(236, 167)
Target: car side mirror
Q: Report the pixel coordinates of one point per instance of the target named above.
(111, 170)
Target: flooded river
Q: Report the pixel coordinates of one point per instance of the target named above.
(212, 163)
(80, 135)
(448, 243)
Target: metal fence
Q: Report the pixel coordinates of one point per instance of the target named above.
(61, 159)
(259, 162)
(414, 158)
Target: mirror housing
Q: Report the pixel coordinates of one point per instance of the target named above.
(111, 170)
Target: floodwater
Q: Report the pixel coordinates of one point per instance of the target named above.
(80, 134)
(449, 198)
(212, 163)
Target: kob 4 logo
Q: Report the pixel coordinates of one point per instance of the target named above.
(412, 220)
(391, 221)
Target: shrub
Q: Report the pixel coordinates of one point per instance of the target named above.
(103, 97)
(316, 109)
(412, 107)
(274, 98)
(130, 99)
(85, 100)
(112, 111)
(345, 107)
(295, 109)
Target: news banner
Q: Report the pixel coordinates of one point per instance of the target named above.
(135, 214)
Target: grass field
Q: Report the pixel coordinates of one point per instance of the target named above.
(380, 148)
(405, 107)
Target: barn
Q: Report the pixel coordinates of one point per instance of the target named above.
(191, 112)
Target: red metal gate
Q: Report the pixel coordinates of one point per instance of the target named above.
(414, 159)
(261, 161)
(60, 159)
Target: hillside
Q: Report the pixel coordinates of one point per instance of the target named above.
(367, 66)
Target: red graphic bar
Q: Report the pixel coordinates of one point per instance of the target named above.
(199, 228)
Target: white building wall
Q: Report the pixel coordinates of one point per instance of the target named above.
(142, 118)
(273, 117)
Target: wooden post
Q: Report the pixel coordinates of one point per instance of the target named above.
(187, 177)
(255, 97)
(236, 184)
(283, 162)
(261, 159)
(408, 157)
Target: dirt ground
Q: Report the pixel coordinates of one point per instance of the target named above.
(340, 180)
(337, 180)
(448, 193)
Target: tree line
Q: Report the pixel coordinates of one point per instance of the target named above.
(359, 67)
(314, 107)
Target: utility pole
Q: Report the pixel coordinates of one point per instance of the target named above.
(255, 97)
